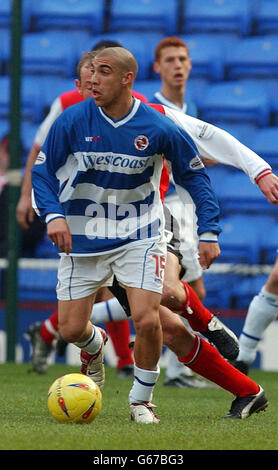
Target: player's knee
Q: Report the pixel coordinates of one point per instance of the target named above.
(178, 339)
(172, 295)
(173, 332)
(147, 325)
(169, 292)
(70, 334)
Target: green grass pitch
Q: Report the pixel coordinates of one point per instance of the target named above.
(190, 418)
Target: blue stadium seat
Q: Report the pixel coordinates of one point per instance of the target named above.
(218, 174)
(4, 127)
(28, 131)
(147, 87)
(37, 285)
(5, 13)
(207, 54)
(236, 101)
(265, 17)
(30, 100)
(253, 57)
(218, 289)
(244, 291)
(237, 194)
(215, 15)
(69, 14)
(4, 50)
(196, 87)
(146, 15)
(264, 143)
(79, 41)
(242, 132)
(239, 240)
(47, 53)
(142, 46)
(46, 249)
(269, 243)
(272, 88)
(53, 87)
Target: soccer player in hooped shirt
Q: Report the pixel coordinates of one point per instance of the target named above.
(43, 335)
(103, 159)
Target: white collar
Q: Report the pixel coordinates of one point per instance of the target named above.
(126, 118)
(169, 103)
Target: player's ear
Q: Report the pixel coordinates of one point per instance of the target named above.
(78, 85)
(156, 67)
(127, 78)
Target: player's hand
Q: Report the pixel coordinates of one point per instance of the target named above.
(269, 187)
(208, 252)
(59, 233)
(25, 212)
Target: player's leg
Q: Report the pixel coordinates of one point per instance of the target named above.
(174, 295)
(262, 311)
(140, 268)
(179, 296)
(79, 279)
(204, 359)
(119, 332)
(42, 335)
(147, 350)
(198, 286)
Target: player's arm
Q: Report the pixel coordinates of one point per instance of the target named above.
(24, 210)
(218, 146)
(46, 185)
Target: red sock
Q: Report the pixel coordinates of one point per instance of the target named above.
(206, 361)
(120, 335)
(49, 328)
(194, 311)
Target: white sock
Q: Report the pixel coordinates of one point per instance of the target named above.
(93, 344)
(262, 311)
(175, 368)
(143, 385)
(111, 310)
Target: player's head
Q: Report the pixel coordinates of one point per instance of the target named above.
(84, 73)
(84, 67)
(172, 61)
(114, 71)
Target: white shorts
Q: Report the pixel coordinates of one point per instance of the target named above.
(189, 240)
(138, 265)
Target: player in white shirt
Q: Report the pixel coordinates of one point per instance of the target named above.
(173, 64)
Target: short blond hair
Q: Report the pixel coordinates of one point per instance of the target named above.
(87, 57)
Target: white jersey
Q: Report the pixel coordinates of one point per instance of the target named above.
(54, 112)
(218, 145)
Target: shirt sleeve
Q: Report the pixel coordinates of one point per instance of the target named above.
(220, 146)
(46, 184)
(189, 174)
(54, 112)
